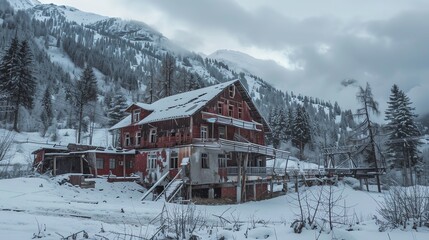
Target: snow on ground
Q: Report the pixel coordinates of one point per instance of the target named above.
(25, 143)
(33, 203)
(27, 204)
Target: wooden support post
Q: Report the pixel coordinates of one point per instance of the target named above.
(366, 182)
(81, 164)
(55, 166)
(124, 165)
(254, 191)
(239, 178)
(246, 162)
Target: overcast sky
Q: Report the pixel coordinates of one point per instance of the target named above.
(319, 43)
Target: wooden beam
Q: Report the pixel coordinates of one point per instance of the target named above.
(55, 166)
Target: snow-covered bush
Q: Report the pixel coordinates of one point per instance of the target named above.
(405, 206)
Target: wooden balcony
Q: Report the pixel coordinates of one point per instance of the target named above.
(235, 146)
(250, 171)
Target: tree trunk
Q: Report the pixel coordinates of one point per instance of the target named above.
(80, 123)
(15, 118)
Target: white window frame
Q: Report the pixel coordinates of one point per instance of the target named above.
(138, 138)
(136, 115)
(112, 163)
(152, 135)
(240, 112)
(205, 161)
(222, 160)
(127, 139)
(204, 132)
(174, 160)
(151, 161)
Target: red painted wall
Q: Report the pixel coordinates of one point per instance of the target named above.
(118, 170)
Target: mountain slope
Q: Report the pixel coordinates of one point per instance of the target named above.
(130, 59)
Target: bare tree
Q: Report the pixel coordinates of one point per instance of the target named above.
(366, 127)
(5, 143)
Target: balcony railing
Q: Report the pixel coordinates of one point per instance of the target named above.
(250, 171)
(235, 146)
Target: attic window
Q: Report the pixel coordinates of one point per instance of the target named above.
(136, 115)
(231, 91)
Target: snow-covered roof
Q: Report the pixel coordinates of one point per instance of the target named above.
(123, 123)
(145, 106)
(177, 106)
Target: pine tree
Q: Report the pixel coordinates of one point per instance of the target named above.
(402, 130)
(47, 114)
(83, 92)
(301, 130)
(17, 78)
(116, 111)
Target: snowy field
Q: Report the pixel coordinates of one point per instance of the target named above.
(41, 207)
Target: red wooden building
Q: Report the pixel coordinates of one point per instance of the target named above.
(207, 143)
(84, 159)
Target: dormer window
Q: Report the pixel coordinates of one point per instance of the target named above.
(136, 115)
(231, 91)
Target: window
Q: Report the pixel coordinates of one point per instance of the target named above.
(219, 108)
(129, 164)
(204, 160)
(138, 138)
(127, 139)
(136, 115)
(231, 111)
(204, 132)
(240, 112)
(174, 160)
(152, 135)
(231, 91)
(151, 161)
(112, 163)
(99, 163)
(222, 132)
(222, 159)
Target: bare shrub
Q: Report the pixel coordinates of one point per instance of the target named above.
(183, 220)
(405, 206)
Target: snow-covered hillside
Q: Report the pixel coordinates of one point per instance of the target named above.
(23, 4)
